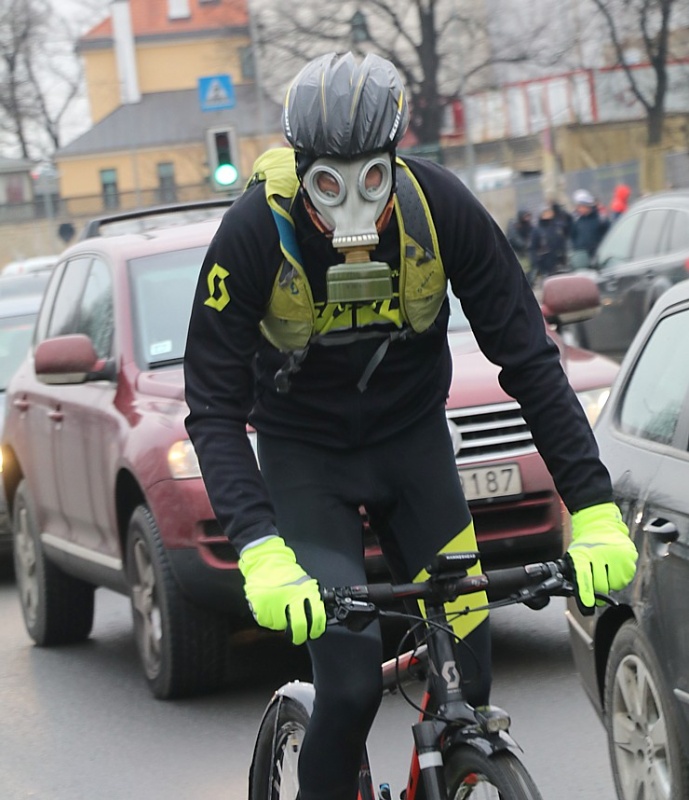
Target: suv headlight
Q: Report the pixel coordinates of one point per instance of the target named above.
(182, 460)
(593, 401)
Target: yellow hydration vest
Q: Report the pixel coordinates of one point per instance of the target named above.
(292, 321)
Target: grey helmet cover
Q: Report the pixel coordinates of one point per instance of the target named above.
(336, 107)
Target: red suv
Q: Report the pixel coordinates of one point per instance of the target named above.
(104, 487)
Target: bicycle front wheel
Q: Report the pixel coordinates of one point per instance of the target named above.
(500, 776)
(274, 767)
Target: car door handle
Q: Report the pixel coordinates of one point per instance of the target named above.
(56, 415)
(22, 404)
(662, 529)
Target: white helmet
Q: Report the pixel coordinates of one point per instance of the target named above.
(582, 197)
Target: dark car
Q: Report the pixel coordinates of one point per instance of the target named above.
(17, 318)
(644, 253)
(633, 657)
(103, 481)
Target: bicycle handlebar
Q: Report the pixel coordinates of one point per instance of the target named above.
(448, 580)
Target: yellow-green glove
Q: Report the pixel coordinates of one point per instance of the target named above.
(603, 555)
(280, 594)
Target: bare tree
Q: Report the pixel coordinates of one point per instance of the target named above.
(442, 48)
(40, 76)
(644, 27)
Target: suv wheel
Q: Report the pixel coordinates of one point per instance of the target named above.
(57, 608)
(183, 647)
(643, 738)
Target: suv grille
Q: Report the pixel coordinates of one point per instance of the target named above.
(489, 432)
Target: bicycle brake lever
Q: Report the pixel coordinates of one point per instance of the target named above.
(606, 599)
(353, 614)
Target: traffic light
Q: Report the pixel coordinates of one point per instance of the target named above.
(221, 158)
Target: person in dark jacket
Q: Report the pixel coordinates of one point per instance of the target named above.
(547, 247)
(519, 230)
(321, 317)
(588, 229)
(563, 219)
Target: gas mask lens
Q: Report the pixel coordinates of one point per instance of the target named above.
(327, 185)
(372, 180)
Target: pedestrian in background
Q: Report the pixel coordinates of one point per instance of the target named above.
(519, 230)
(588, 229)
(547, 248)
(562, 218)
(620, 201)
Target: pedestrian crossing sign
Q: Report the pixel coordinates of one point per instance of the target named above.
(216, 92)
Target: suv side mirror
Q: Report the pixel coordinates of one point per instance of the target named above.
(69, 359)
(569, 298)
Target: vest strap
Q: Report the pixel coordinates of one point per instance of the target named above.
(293, 363)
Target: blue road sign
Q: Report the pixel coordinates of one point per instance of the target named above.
(216, 92)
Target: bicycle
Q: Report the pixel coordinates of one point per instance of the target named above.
(459, 751)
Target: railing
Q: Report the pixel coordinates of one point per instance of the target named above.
(82, 208)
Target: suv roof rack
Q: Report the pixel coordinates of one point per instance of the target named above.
(162, 216)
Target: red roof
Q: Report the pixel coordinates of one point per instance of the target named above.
(151, 18)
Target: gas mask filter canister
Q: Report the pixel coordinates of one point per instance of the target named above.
(349, 197)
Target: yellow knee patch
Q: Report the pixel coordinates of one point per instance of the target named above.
(464, 541)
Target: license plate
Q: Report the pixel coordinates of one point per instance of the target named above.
(484, 483)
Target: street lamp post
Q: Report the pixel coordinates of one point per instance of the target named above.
(358, 30)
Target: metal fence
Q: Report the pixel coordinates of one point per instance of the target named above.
(526, 192)
(88, 206)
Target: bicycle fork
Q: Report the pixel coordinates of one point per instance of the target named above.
(429, 757)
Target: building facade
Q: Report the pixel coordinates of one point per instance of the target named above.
(161, 76)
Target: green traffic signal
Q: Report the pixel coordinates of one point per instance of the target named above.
(225, 174)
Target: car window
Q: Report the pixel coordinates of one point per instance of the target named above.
(43, 321)
(678, 238)
(647, 242)
(95, 317)
(64, 315)
(163, 288)
(659, 384)
(15, 337)
(616, 247)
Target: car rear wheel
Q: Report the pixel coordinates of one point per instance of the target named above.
(183, 647)
(643, 738)
(57, 608)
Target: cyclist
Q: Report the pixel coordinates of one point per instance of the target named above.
(320, 316)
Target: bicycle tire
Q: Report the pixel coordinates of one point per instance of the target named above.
(499, 776)
(278, 744)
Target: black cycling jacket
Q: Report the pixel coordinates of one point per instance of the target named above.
(230, 366)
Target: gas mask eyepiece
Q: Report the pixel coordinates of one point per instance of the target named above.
(350, 197)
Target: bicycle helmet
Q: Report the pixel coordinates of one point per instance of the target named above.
(336, 107)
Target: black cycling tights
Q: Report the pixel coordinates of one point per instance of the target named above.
(412, 493)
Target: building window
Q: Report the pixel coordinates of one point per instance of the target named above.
(167, 188)
(246, 59)
(14, 189)
(108, 182)
(178, 9)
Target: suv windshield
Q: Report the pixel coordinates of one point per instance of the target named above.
(163, 289)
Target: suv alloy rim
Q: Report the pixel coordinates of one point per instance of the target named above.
(25, 559)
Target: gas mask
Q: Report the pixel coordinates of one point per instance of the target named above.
(350, 197)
